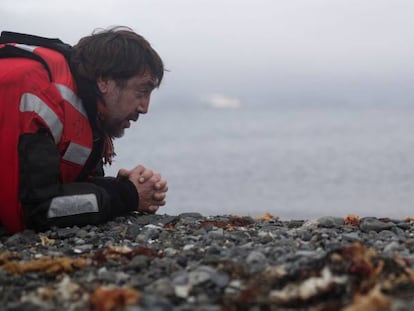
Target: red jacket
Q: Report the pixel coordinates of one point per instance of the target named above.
(46, 140)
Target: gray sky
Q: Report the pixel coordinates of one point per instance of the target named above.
(340, 51)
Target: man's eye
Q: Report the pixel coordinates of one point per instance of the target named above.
(143, 92)
(140, 93)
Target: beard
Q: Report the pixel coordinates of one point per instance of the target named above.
(113, 122)
(114, 129)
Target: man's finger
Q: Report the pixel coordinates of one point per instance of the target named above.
(123, 173)
(159, 196)
(153, 208)
(145, 175)
(161, 185)
(149, 209)
(160, 203)
(163, 189)
(139, 169)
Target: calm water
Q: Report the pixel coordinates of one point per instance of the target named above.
(292, 161)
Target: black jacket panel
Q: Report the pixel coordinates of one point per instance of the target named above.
(40, 189)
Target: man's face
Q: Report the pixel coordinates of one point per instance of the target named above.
(124, 104)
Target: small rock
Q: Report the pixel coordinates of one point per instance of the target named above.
(391, 247)
(352, 236)
(373, 224)
(133, 231)
(190, 215)
(330, 222)
(163, 287)
(220, 279)
(26, 236)
(305, 235)
(200, 275)
(139, 262)
(295, 223)
(82, 233)
(256, 258)
(216, 234)
(65, 233)
(169, 251)
(233, 287)
(188, 247)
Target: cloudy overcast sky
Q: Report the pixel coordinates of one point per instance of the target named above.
(340, 51)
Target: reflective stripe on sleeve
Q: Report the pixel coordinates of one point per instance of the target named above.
(32, 103)
(26, 47)
(76, 153)
(73, 205)
(71, 98)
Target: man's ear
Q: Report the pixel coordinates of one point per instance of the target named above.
(102, 84)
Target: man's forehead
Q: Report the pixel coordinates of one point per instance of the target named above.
(145, 79)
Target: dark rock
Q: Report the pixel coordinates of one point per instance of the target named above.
(330, 222)
(24, 237)
(191, 215)
(65, 233)
(373, 224)
(133, 231)
(294, 223)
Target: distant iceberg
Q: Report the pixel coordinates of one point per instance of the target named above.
(221, 101)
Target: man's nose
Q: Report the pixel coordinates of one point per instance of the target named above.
(144, 105)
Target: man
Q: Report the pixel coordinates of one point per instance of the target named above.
(60, 109)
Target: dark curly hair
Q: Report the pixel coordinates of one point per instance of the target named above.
(117, 53)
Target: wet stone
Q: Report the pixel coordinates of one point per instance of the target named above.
(191, 215)
(330, 222)
(392, 247)
(373, 224)
(147, 234)
(216, 234)
(399, 232)
(154, 302)
(295, 223)
(404, 225)
(166, 220)
(387, 235)
(27, 236)
(200, 275)
(214, 249)
(64, 233)
(139, 262)
(163, 287)
(352, 236)
(133, 231)
(255, 257)
(305, 235)
(82, 233)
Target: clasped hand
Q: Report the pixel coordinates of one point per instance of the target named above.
(150, 186)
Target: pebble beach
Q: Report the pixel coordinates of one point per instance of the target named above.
(195, 262)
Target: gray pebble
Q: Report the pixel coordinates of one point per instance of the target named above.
(373, 224)
(330, 222)
(139, 262)
(352, 236)
(255, 257)
(392, 247)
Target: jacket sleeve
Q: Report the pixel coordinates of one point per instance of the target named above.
(46, 202)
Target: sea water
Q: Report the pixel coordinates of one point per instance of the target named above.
(293, 161)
